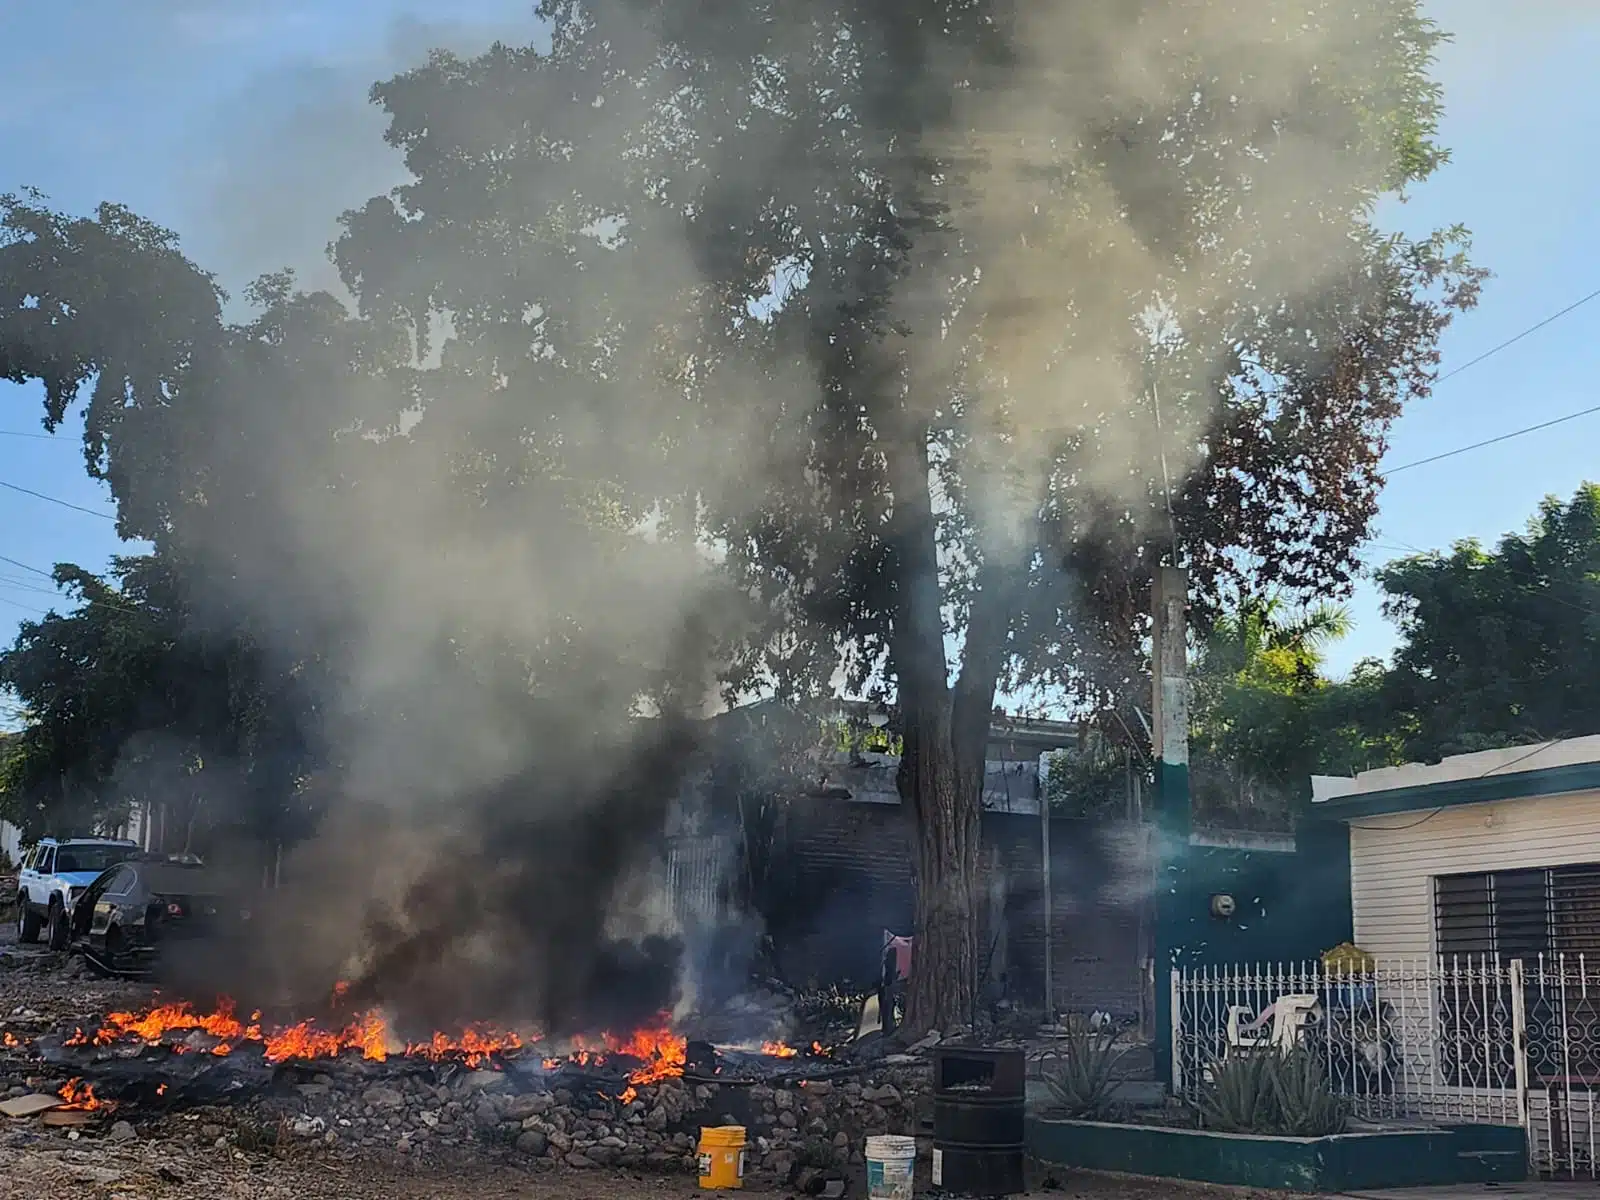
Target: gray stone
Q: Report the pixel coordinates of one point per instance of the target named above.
(211, 1132)
(579, 1161)
(483, 1081)
(486, 1117)
(122, 1132)
(533, 1143)
(383, 1097)
(530, 1104)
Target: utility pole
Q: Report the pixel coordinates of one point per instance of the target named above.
(1169, 732)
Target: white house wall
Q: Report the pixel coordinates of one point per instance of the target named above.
(1394, 859)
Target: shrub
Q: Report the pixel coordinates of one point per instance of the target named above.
(1082, 1084)
(1280, 1094)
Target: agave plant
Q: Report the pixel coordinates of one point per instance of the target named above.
(1307, 1107)
(1082, 1083)
(1282, 1094)
(1241, 1098)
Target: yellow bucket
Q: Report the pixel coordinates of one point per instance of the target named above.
(722, 1157)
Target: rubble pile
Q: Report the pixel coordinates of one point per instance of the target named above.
(807, 1113)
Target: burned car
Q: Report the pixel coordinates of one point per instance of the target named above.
(137, 910)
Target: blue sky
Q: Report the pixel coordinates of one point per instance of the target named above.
(185, 108)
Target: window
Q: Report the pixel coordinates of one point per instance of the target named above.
(47, 860)
(1518, 914)
(1549, 917)
(119, 883)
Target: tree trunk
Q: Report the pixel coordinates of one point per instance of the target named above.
(940, 780)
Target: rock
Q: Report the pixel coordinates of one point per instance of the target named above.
(579, 1162)
(808, 1181)
(532, 1143)
(486, 1116)
(819, 1087)
(841, 1140)
(211, 1132)
(783, 1101)
(89, 1173)
(887, 1094)
(308, 1126)
(122, 1132)
(656, 1119)
(788, 1120)
(312, 1091)
(660, 1160)
(530, 1104)
(603, 1156)
(933, 1038)
(383, 1097)
(833, 1189)
(483, 1081)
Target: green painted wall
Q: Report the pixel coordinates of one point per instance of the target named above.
(1290, 906)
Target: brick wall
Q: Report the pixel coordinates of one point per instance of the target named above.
(853, 869)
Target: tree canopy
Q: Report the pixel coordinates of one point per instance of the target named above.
(1496, 645)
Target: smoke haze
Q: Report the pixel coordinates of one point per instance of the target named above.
(504, 523)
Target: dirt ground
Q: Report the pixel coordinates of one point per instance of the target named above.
(60, 1171)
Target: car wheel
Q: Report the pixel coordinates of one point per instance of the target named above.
(28, 923)
(58, 925)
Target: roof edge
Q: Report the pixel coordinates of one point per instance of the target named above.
(1453, 793)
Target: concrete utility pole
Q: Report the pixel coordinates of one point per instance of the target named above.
(1169, 732)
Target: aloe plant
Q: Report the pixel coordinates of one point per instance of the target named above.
(1241, 1098)
(1082, 1083)
(1281, 1094)
(1307, 1107)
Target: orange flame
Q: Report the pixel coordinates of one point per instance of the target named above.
(12, 1041)
(80, 1097)
(778, 1050)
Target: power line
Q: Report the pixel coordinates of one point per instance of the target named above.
(43, 437)
(1504, 437)
(93, 512)
(1512, 341)
(36, 570)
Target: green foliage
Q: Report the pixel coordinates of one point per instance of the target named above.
(1272, 1093)
(1093, 780)
(1264, 718)
(1497, 646)
(1081, 1084)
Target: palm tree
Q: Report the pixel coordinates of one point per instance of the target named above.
(1262, 632)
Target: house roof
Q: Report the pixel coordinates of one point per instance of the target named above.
(1516, 773)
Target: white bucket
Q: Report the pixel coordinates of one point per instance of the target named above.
(891, 1162)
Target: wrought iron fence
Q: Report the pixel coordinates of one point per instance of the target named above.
(1468, 1040)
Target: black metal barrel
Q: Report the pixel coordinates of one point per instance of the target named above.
(979, 1095)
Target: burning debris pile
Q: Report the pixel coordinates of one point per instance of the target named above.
(356, 1088)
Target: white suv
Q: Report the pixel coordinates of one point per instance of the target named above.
(54, 874)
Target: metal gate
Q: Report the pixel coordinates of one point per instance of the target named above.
(1469, 1040)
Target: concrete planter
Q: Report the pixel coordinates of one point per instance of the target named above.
(1376, 1158)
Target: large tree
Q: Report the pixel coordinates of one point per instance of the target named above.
(945, 322)
(939, 325)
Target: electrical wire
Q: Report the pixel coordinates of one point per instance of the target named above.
(1512, 341)
(93, 512)
(1504, 437)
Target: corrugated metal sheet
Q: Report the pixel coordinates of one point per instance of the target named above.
(1394, 860)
